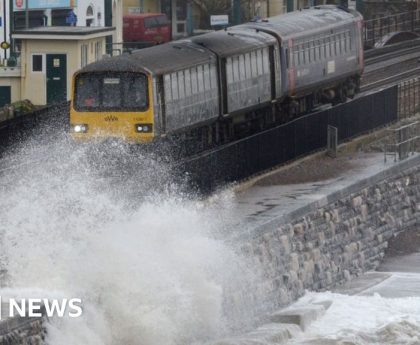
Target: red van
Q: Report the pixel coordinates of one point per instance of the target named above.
(150, 28)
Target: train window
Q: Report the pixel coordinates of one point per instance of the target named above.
(266, 61)
(311, 51)
(254, 71)
(248, 65)
(181, 84)
(174, 86)
(241, 67)
(200, 78)
(348, 48)
(319, 49)
(296, 61)
(168, 89)
(206, 77)
(341, 41)
(194, 84)
(313, 48)
(339, 51)
(307, 57)
(229, 71)
(260, 68)
(330, 47)
(237, 68)
(111, 91)
(340, 44)
(134, 95)
(301, 55)
(308, 51)
(187, 76)
(213, 77)
(234, 67)
(88, 92)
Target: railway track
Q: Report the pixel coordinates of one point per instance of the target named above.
(375, 56)
(391, 80)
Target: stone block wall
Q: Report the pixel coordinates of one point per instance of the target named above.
(340, 237)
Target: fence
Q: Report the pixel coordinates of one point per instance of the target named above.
(294, 139)
(403, 141)
(408, 98)
(374, 29)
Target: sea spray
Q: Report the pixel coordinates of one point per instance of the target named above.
(150, 266)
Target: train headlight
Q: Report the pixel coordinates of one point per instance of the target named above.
(144, 128)
(80, 128)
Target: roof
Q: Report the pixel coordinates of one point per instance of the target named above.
(231, 42)
(294, 23)
(159, 59)
(64, 32)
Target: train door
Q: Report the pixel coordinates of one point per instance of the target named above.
(56, 78)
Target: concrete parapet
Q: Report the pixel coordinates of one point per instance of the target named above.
(302, 316)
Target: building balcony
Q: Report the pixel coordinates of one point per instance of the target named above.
(6, 71)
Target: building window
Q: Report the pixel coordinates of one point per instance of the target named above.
(89, 16)
(98, 50)
(84, 54)
(37, 63)
(89, 11)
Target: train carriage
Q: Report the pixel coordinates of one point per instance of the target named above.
(220, 85)
(321, 50)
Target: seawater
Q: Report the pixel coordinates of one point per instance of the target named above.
(150, 264)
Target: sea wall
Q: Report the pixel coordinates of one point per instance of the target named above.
(327, 242)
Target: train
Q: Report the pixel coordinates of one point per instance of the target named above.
(225, 84)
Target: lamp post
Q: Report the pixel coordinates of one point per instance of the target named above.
(4, 28)
(189, 18)
(236, 12)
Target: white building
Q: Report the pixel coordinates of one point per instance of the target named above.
(90, 13)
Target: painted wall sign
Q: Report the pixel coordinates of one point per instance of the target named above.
(219, 20)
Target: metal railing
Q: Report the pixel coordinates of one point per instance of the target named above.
(403, 141)
(408, 98)
(291, 140)
(375, 29)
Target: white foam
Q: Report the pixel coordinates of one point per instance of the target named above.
(364, 320)
(149, 271)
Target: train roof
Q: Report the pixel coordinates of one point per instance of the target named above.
(159, 59)
(185, 53)
(231, 42)
(177, 55)
(306, 20)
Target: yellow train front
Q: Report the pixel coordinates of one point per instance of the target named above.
(112, 104)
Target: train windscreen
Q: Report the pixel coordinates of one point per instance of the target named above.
(111, 92)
